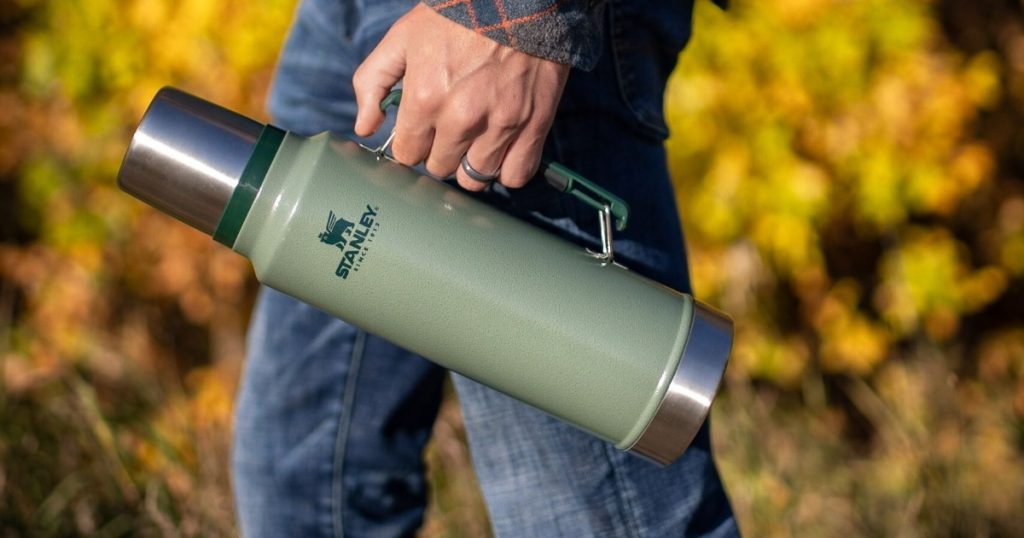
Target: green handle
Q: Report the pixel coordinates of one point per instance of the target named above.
(393, 98)
(566, 180)
(562, 178)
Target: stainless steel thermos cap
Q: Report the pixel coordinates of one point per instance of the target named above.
(186, 157)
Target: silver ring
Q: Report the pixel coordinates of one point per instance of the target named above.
(477, 176)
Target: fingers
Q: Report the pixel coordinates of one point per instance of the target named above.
(491, 145)
(523, 156)
(374, 78)
(485, 155)
(524, 153)
(511, 147)
(447, 151)
(465, 128)
(414, 127)
(465, 95)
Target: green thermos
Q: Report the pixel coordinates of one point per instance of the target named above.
(426, 266)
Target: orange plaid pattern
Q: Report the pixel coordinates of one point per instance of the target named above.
(565, 31)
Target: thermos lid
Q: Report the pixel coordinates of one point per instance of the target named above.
(694, 384)
(186, 157)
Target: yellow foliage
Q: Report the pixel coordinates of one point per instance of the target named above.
(785, 126)
(212, 401)
(850, 342)
(928, 280)
(838, 202)
(107, 290)
(769, 356)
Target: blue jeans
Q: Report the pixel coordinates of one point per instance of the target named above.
(332, 421)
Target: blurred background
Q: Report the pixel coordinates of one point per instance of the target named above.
(851, 175)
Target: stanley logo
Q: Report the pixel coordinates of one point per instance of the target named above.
(337, 232)
(351, 238)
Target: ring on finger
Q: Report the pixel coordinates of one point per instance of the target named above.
(477, 176)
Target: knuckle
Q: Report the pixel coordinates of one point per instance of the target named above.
(423, 97)
(542, 117)
(517, 175)
(363, 81)
(439, 169)
(515, 181)
(360, 79)
(405, 153)
(507, 120)
(406, 160)
(465, 117)
(399, 25)
(469, 184)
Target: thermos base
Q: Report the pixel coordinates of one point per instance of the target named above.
(693, 387)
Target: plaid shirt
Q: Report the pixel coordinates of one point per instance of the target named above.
(564, 31)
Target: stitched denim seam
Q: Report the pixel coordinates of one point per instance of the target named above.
(628, 508)
(337, 487)
(622, 77)
(613, 32)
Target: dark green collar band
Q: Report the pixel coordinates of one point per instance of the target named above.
(248, 185)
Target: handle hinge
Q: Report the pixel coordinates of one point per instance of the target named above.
(607, 252)
(613, 212)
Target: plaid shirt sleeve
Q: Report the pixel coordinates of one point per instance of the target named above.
(564, 31)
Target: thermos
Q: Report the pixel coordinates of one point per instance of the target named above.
(440, 273)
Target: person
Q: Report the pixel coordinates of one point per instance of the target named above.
(331, 421)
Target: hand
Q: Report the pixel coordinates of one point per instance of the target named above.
(464, 94)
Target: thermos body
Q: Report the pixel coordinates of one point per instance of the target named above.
(444, 275)
(468, 287)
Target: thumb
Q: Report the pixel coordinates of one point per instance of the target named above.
(372, 81)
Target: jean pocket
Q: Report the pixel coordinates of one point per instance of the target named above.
(646, 39)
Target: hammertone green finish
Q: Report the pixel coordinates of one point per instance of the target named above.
(467, 286)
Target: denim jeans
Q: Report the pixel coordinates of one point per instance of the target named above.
(332, 421)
